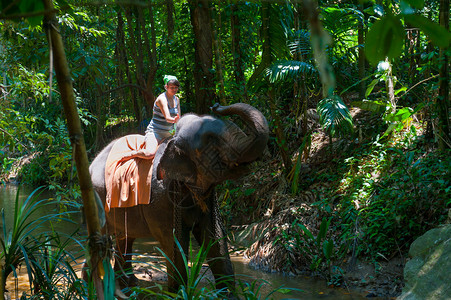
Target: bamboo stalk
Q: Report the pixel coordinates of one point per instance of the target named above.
(76, 136)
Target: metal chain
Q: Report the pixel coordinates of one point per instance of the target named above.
(177, 221)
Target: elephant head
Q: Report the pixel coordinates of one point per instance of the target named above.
(207, 150)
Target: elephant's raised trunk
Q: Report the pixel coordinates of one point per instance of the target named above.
(257, 127)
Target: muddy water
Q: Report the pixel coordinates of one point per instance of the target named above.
(148, 258)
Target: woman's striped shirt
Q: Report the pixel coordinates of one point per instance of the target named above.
(158, 122)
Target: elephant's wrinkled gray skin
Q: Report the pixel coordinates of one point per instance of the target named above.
(204, 151)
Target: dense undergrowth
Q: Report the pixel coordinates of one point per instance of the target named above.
(365, 199)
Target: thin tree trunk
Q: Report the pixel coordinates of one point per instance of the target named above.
(266, 47)
(390, 87)
(442, 103)
(280, 136)
(266, 61)
(299, 88)
(138, 63)
(170, 17)
(238, 68)
(122, 69)
(361, 42)
(149, 47)
(76, 136)
(218, 51)
(203, 50)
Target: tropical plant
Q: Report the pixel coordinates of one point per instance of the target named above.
(26, 244)
(253, 289)
(319, 250)
(191, 287)
(53, 273)
(335, 117)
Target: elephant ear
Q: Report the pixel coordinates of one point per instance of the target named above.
(175, 164)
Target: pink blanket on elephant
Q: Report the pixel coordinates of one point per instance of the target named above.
(128, 173)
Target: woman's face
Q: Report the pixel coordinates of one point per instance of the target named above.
(171, 89)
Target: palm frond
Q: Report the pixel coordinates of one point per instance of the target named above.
(301, 43)
(338, 21)
(279, 26)
(283, 70)
(334, 116)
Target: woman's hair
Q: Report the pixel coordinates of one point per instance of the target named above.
(173, 82)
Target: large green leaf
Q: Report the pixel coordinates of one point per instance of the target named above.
(438, 34)
(385, 39)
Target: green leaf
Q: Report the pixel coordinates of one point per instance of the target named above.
(385, 39)
(284, 291)
(374, 106)
(371, 87)
(306, 231)
(323, 229)
(328, 247)
(401, 115)
(400, 90)
(249, 192)
(438, 34)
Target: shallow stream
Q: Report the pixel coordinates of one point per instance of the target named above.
(307, 288)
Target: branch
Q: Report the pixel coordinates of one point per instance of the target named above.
(418, 83)
(30, 14)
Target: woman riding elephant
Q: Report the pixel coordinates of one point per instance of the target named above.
(166, 112)
(205, 151)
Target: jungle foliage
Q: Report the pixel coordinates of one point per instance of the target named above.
(374, 75)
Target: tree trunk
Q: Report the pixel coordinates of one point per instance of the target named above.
(361, 42)
(390, 87)
(137, 60)
(280, 136)
(150, 97)
(265, 62)
(266, 47)
(442, 103)
(122, 70)
(76, 136)
(170, 17)
(216, 20)
(203, 50)
(150, 48)
(238, 69)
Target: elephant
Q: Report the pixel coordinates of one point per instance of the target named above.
(204, 152)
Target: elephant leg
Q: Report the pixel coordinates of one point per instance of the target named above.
(123, 261)
(218, 256)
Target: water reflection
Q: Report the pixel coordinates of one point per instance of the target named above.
(64, 220)
(18, 282)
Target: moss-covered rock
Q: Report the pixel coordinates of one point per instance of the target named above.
(427, 275)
